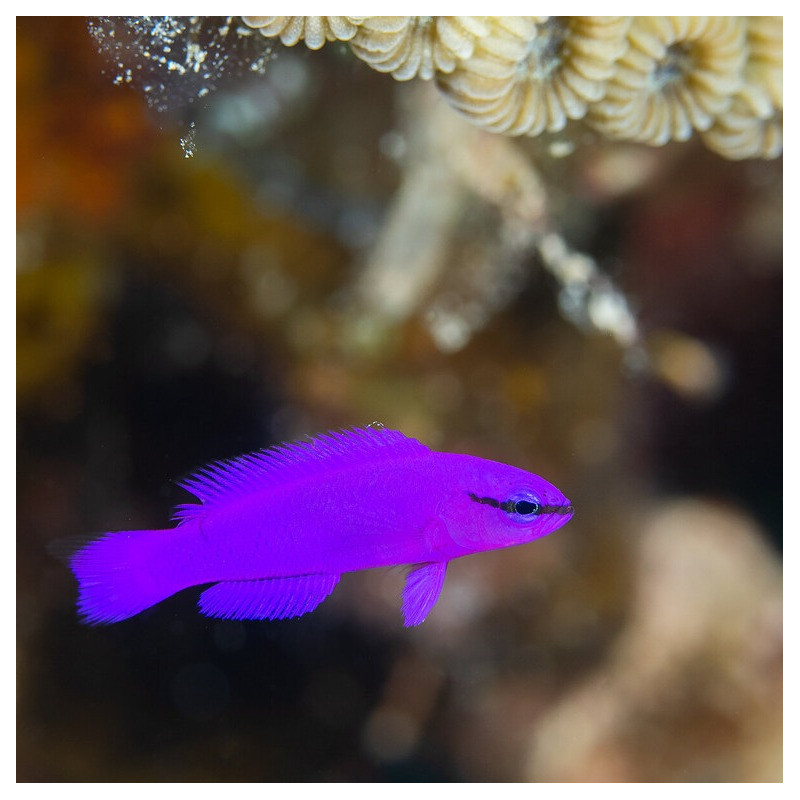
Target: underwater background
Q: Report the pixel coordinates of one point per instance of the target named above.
(214, 263)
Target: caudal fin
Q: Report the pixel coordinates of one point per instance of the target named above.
(120, 575)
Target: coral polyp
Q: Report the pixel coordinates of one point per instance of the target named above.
(650, 80)
(753, 126)
(409, 47)
(314, 31)
(532, 74)
(678, 75)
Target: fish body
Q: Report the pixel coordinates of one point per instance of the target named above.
(276, 529)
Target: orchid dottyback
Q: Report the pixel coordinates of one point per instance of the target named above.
(275, 530)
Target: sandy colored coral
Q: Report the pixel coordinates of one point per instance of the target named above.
(644, 79)
(315, 31)
(532, 74)
(409, 47)
(678, 75)
(739, 134)
(753, 126)
(764, 70)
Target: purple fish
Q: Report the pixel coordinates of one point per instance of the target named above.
(274, 530)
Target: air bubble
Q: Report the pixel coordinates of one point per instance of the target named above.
(188, 144)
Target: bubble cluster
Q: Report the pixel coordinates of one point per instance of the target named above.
(175, 61)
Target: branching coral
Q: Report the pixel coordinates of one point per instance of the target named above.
(457, 172)
(532, 74)
(644, 79)
(315, 31)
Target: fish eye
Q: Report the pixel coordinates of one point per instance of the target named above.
(525, 507)
(521, 506)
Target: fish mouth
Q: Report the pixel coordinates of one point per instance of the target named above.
(553, 517)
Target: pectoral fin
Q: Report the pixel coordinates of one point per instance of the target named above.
(421, 591)
(272, 598)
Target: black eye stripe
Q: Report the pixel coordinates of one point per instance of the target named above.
(512, 506)
(485, 500)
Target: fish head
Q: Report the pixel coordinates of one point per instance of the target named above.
(497, 505)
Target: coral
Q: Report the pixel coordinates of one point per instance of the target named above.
(678, 75)
(764, 70)
(706, 596)
(532, 74)
(739, 134)
(644, 79)
(409, 47)
(457, 172)
(315, 31)
(753, 126)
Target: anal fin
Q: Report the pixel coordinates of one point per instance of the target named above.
(270, 598)
(423, 585)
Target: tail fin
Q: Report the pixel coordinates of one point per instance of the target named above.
(120, 575)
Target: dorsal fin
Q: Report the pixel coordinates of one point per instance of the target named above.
(223, 481)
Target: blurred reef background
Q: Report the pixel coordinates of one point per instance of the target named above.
(554, 242)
